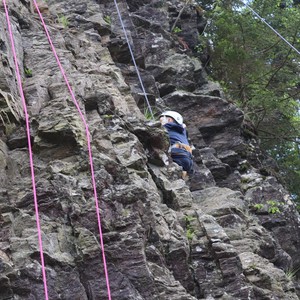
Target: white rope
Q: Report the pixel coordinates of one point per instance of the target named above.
(276, 32)
(133, 59)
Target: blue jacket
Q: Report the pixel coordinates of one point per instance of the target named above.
(177, 133)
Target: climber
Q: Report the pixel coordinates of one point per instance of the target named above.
(180, 150)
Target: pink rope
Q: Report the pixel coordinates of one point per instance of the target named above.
(29, 150)
(88, 144)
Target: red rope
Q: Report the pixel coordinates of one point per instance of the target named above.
(29, 149)
(88, 144)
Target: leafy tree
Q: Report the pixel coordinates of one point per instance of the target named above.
(260, 71)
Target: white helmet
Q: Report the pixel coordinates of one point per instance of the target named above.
(173, 114)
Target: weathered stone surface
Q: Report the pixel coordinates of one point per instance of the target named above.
(175, 192)
(216, 119)
(266, 278)
(276, 212)
(230, 231)
(201, 179)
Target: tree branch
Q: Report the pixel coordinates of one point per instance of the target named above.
(179, 15)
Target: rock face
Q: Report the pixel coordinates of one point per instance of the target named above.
(229, 232)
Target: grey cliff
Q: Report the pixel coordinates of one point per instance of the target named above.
(229, 232)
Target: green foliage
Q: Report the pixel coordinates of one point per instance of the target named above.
(108, 117)
(274, 206)
(190, 234)
(292, 272)
(260, 72)
(258, 206)
(28, 72)
(287, 155)
(177, 30)
(150, 115)
(202, 43)
(189, 219)
(198, 48)
(63, 20)
(107, 19)
(190, 231)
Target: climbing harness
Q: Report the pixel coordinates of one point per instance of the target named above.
(275, 31)
(133, 60)
(179, 145)
(18, 75)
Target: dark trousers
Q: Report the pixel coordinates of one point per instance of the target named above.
(183, 158)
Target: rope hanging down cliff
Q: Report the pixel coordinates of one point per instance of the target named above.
(18, 75)
(275, 31)
(88, 145)
(31, 154)
(133, 59)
